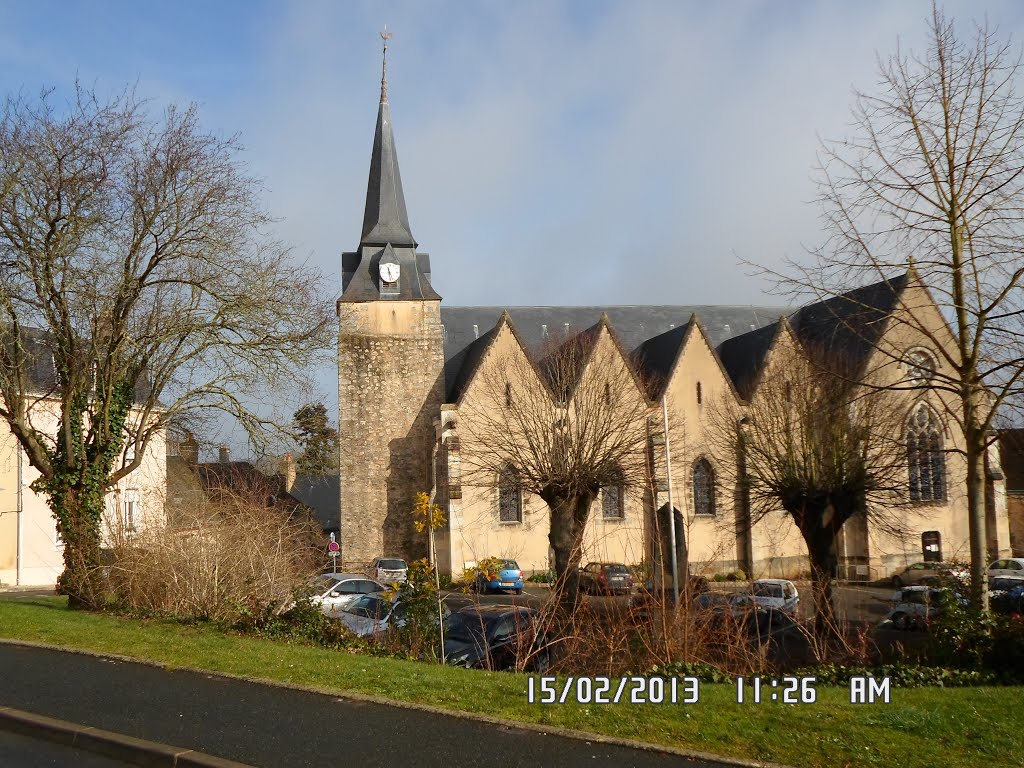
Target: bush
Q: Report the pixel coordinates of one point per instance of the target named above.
(235, 559)
(989, 643)
(541, 577)
(706, 673)
(901, 675)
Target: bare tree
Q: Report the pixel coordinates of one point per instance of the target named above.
(823, 449)
(933, 181)
(562, 423)
(136, 287)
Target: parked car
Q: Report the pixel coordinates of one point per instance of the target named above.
(503, 575)
(333, 591)
(913, 607)
(605, 578)
(928, 573)
(1006, 594)
(388, 569)
(495, 637)
(775, 594)
(371, 615)
(1012, 566)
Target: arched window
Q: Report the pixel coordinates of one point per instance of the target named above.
(703, 488)
(920, 366)
(613, 500)
(510, 496)
(926, 459)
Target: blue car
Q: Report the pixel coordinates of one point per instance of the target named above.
(506, 575)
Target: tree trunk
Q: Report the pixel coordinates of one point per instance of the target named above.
(568, 522)
(78, 515)
(819, 530)
(976, 517)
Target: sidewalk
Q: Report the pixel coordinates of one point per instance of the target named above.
(273, 727)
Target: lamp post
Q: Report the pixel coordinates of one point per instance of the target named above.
(671, 508)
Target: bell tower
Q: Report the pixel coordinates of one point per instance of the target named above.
(390, 365)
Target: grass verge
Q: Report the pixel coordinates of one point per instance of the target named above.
(954, 727)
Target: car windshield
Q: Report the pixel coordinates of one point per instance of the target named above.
(463, 627)
(323, 584)
(1006, 583)
(509, 565)
(768, 590)
(392, 565)
(370, 606)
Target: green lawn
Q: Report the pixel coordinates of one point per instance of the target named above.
(921, 727)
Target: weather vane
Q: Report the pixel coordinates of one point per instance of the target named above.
(385, 36)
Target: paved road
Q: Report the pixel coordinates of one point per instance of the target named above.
(270, 727)
(17, 751)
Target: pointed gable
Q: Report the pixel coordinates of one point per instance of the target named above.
(743, 356)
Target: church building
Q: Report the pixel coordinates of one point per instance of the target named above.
(412, 378)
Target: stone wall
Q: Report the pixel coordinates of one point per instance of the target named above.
(390, 389)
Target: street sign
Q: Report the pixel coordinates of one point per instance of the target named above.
(334, 548)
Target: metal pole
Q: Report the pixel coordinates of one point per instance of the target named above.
(433, 551)
(21, 513)
(671, 508)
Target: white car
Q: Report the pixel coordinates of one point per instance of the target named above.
(776, 594)
(371, 615)
(1012, 566)
(333, 591)
(388, 569)
(916, 606)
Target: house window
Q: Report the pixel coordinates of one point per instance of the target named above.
(926, 459)
(700, 395)
(510, 496)
(132, 510)
(613, 501)
(703, 488)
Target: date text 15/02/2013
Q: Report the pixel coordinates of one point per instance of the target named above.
(686, 690)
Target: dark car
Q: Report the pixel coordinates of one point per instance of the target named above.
(606, 578)
(495, 637)
(1006, 594)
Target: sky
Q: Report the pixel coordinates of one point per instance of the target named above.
(588, 152)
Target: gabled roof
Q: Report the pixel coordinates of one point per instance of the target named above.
(852, 322)
(656, 357)
(461, 369)
(243, 479)
(743, 356)
(322, 494)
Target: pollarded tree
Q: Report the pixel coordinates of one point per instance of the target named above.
(136, 288)
(934, 178)
(563, 423)
(820, 447)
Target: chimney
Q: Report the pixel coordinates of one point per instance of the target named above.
(190, 449)
(288, 472)
(225, 455)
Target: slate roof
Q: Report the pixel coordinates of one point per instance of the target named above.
(385, 219)
(243, 478)
(851, 322)
(322, 495)
(743, 357)
(632, 324)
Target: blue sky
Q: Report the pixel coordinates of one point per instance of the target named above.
(551, 152)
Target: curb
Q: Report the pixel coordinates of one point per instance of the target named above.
(553, 730)
(127, 749)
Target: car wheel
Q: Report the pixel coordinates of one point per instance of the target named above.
(901, 621)
(542, 663)
(897, 581)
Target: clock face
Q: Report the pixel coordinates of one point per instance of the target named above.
(389, 272)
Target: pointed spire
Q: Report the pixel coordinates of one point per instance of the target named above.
(385, 219)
